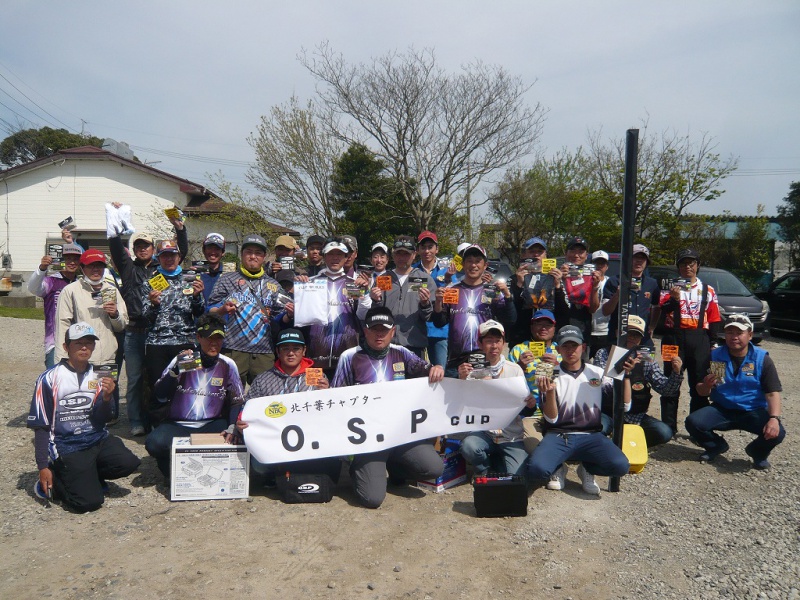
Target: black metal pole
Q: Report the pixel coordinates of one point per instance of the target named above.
(626, 259)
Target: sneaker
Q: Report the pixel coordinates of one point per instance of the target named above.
(709, 455)
(558, 479)
(137, 431)
(587, 481)
(761, 464)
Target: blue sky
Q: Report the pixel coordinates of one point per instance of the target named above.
(180, 78)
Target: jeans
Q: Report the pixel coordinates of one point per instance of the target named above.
(598, 454)
(484, 454)
(702, 423)
(655, 432)
(134, 369)
(437, 351)
(159, 441)
(50, 358)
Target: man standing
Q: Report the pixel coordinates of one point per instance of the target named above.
(644, 299)
(379, 259)
(376, 361)
(599, 338)
(644, 376)
(285, 246)
(575, 299)
(314, 246)
(203, 398)
(248, 297)
(48, 287)
(470, 304)
(213, 250)
(352, 254)
(428, 248)
(409, 299)
(483, 448)
(747, 398)
(96, 302)
(533, 251)
(572, 406)
(692, 322)
(134, 273)
(75, 454)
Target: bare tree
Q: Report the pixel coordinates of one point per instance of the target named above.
(438, 133)
(294, 160)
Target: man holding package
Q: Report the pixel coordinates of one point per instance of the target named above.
(378, 360)
(526, 285)
(745, 395)
(577, 292)
(71, 405)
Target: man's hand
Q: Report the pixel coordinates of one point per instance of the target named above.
(436, 374)
(424, 296)
(677, 363)
(438, 304)
(526, 358)
(323, 383)
(111, 309)
(486, 277)
(107, 386)
(630, 364)
(530, 401)
(376, 294)
(545, 385)
(363, 280)
(464, 369)
(675, 293)
(46, 480)
(557, 276)
(66, 235)
(177, 224)
(597, 277)
(45, 262)
(155, 297)
(502, 287)
(276, 266)
(197, 287)
(301, 279)
(549, 358)
(772, 429)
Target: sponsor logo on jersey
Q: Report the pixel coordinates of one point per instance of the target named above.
(399, 367)
(216, 381)
(637, 387)
(77, 401)
(595, 382)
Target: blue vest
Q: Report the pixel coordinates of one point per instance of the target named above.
(437, 274)
(740, 391)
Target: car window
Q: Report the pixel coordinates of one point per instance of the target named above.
(790, 283)
(724, 283)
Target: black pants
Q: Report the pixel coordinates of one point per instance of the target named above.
(695, 352)
(77, 476)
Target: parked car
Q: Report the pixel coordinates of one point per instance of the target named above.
(783, 297)
(733, 296)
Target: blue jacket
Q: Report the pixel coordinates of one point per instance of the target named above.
(741, 391)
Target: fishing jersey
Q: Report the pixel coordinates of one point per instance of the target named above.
(356, 367)
(48, 287)
(690, 307)
(475, 306)
(276, 381)
(579, 398)
(69, 406)
(530, 371)
(172, 321)
(248, 328)
(196, 397)
(326, 343)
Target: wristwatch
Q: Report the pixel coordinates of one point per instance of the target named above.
(776, 417)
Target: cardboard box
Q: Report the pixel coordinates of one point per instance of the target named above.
(455, 473)
(209, 472)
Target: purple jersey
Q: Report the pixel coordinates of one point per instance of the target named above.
(202, 394)
(49, 290)
(356, 367)
(327, 342)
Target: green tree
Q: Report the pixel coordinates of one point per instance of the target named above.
(789, 220)
(368, 199)
(29, 144)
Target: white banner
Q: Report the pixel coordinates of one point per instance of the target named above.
(369, 418)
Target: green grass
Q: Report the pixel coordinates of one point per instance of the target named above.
(22, 313)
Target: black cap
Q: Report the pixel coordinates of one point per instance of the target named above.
(284, 275)
(382, 318)
(291, 336)
(254, 240)
(315, 239)
(404, 243)
(577, 241)
(686, 253)
(569, 333)
(351, 242)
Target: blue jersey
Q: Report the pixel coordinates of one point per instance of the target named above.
(437, 274)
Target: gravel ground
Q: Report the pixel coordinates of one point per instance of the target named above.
(679, 529)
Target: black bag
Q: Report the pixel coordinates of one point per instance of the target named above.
(500, 495)
(299, 488)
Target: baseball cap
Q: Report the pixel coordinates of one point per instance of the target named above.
(206, 330)
(641, 249)
(285, 241)
(569, 333)
(533, 242)
(403, 243)
(543, 314)
(379, 319)
(71, 248)
(291, 336)
(686, 253)
(166, 247)
(143, 237)
(79, 330)
(254, 240)
(490, 325)
(315, 239)
(335, 245)
(284, 275)
(636, 323)
(600, 254)
(380, 246)
(475, 249)
(461, 247)
(351, 243)
(214, 239)
(427, 235)
(92, 255)
(577, 241)
(740, 321)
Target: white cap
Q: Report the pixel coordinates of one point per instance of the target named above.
(462, 247)
(600, 254)
(489, 325)
(335, 245)
(381, 246)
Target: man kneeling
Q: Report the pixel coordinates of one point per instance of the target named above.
(71, 405)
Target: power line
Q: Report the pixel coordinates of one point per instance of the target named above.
(36, 105)
(193, 157)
